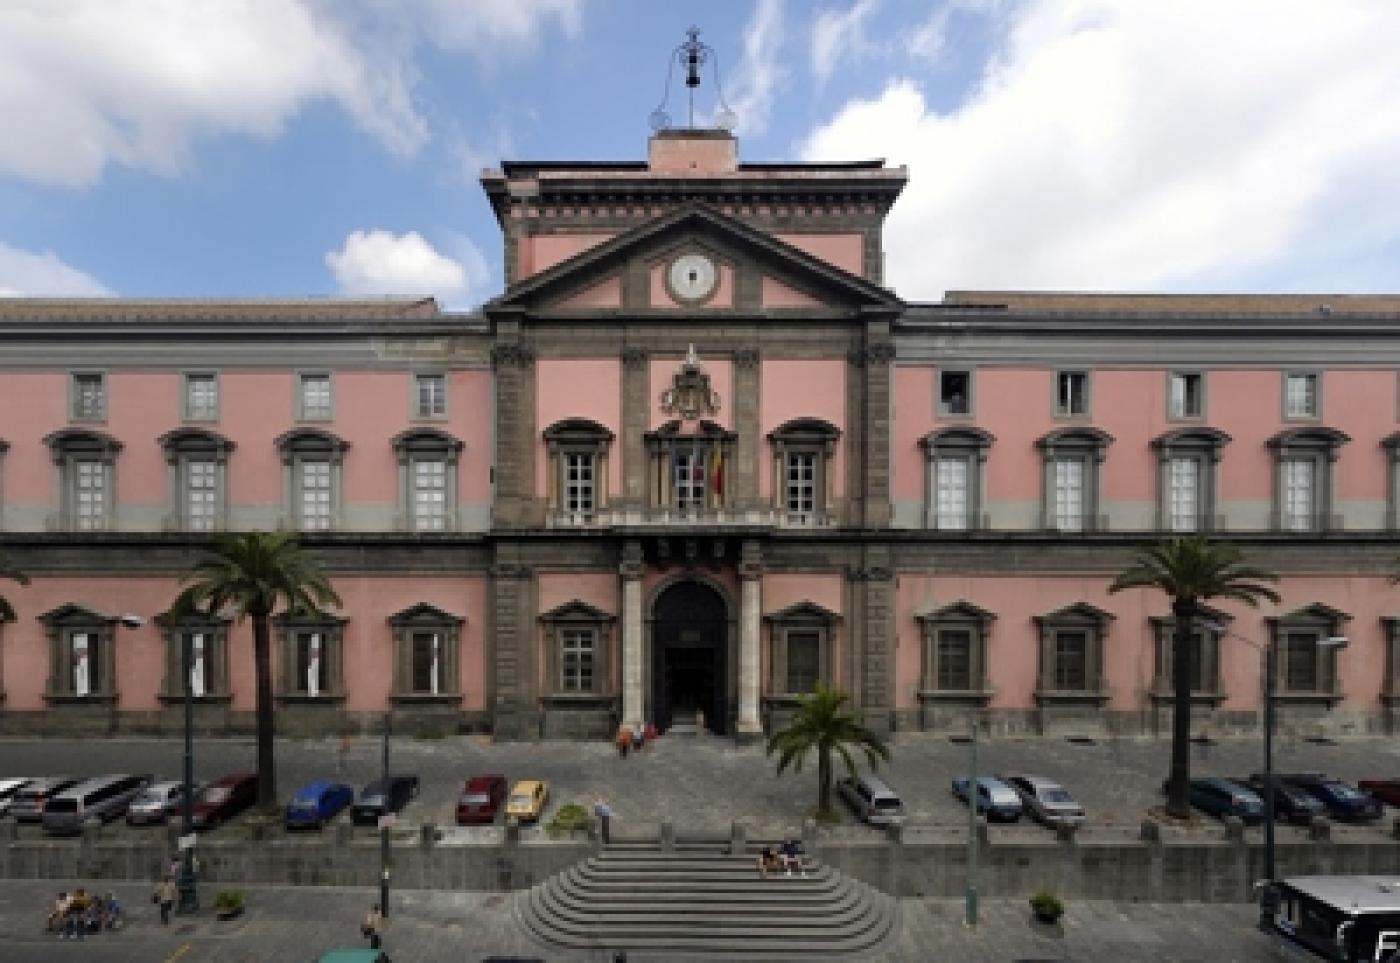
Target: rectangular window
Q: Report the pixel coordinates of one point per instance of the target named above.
(431, 395)
(1299, 493)
(315, 496)
(89, 396)
(950, 493)
(689, 469)
(201, 496)
(427, 663)
(201, 397)
(199, 667)
(1071, 655)
(429, 496)
(315, 396)
(577, 660)
(955, 393)
(1300, 396)
(955, 660)
(803, 661)
(312, 672)
(1069, 494)
(1300, 662)
(1071, 393)
(1183, 494)
(801, 482)
(1187, 394)
(83, 653)
(578, 482)
(89, 495)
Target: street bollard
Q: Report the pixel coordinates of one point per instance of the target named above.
(1234, 829)
(1066, 832)
(668, 836)
(738, 838)
(1151, 831)
(1320, 830)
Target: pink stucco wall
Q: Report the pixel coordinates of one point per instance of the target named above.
(605, 294)
(539, 252)
(1129, 646)
(1361, 403)
(32, 404)
(825, 589)
(776, 294)
(722, 298)
(579, 388)
(803, 389)
(845, 251)
(721, 372)
(598, 589)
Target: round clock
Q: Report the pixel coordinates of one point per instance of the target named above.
(692, 277)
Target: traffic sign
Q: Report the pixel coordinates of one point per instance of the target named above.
(187, 842)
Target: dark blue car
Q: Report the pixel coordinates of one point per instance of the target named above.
(1344, 802)
(316, 804)
(1221, 798)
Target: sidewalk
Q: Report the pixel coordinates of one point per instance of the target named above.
(293, 925)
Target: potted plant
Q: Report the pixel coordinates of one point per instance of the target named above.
(571, 818)
(228, 904)
(1047, 907)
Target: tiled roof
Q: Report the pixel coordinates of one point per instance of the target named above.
(1311, 304)
(215, 309)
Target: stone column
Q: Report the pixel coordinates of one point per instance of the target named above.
(636, 464)
(741, 487)
(633, 712)
(750, 611)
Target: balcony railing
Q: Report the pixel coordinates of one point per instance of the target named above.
(692, 518)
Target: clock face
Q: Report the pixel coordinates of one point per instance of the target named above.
(692, 277)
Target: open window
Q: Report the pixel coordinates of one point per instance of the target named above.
(208, 644)
(82, 656)
(426, 661)
(312, 663)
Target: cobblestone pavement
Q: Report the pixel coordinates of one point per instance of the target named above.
(704, 784)
(285, 925)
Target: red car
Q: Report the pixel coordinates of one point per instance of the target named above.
(225, 798)
(1386, 790)
(481, 798)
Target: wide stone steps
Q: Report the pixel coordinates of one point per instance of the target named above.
(706, 905)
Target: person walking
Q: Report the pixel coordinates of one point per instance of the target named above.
(165, 897)
(604, 813)
(373, 927)
(639, 738)
(624, 741)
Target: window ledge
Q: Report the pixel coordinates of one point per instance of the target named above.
(1328, 699)
(426, 699)
(68, 699)
(960, 696)
(578, 698)
(1388, 699)
(302, 699)
(1098, 697)
(209, 698)
(1213, 698)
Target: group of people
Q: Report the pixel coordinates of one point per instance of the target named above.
(80, 913)
(634, 738)
(787, 857)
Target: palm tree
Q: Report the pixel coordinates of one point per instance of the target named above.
(1191, 569)
(253, 574)
(821, 723)
(8, 570)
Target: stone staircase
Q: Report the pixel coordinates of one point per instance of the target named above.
(705, 904)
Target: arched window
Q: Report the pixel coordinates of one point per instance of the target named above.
(953, 459)
(577, 469)
(427, 461)
(86, 460)
(1303, 461)
(1186, 460)
(312, 463)
(804, 455)
(1071, 458)
(198, 473)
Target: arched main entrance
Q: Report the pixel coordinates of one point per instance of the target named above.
(689, 644)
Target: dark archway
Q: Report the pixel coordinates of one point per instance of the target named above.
(690, 634)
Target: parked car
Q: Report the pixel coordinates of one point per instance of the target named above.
(99, 799)
(1386, 790)
(527, 800)
(158, 802)
(1046, 801)
(1221, 797)
(225, 798)
(8, 789)
(375, 802)
(871, 800)
(481, 798)
(994, 797)
(318, 803)
(1344, 802)
(29, 802)
(1291, 804)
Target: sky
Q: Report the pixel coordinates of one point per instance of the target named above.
(269, 148)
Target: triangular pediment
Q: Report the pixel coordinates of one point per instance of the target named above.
(804, 611)
(577, 610)
(748, 260)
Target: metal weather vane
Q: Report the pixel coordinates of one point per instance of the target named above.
(692, 56)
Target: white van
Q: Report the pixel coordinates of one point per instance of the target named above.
(100, 799)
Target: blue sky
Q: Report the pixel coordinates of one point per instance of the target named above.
(205, 148)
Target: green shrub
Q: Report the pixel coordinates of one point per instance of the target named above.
(571, 817)
(1046, 904)
(228, 900)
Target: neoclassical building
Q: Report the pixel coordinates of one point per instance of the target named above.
(695, 459)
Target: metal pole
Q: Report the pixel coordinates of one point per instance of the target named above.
(189, 896)
(384, 830)
(971, 898)
(1268, 899)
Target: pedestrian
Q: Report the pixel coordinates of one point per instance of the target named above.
(604, 813)
(164, 895)
(373, 927)
(624, 741)
(639, 738)
(60, 910)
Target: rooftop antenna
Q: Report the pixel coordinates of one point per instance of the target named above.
(693, 55)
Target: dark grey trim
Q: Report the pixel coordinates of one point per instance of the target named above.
(1201, 445)
(578, 614)
(961, 442)
(1319, 447)
(187, 411)
(1088, 446)
(1316, 414)
(1325, 621)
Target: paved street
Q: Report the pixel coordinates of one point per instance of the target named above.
(294, 925)
(705, 784)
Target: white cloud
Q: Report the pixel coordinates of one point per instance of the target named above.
(373, 263)
(759, 76)
(837, 34)
(136, 82)
(25, 274)
(1112, 145)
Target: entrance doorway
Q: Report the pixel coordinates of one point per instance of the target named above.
(690, 636)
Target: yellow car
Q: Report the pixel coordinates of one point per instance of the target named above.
(527, 800)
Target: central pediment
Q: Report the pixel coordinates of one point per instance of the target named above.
(696, 260)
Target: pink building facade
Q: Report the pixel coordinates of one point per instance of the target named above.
(693, 461)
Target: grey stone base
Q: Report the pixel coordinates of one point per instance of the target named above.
(579, 723)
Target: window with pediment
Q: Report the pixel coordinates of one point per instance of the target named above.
(428, 464)
(426, 660)
(1305, 666)
(208, 644)
(1390, 687)
(577, 641)
(954, 652)
(1072, 458)
(804, 455)
(82, 655)
(312, 478)
(1303, 478)
(86, 461)
(954, 459)
(801, 638)
(311, 667)
(1186, 478)
(197, 462)
(1205, 655)
(577, 467)
(1072, 654)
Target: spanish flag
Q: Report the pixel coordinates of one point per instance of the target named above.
(717, 470)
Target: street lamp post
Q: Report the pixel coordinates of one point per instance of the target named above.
(971, 896)
(384, 828)
(189, 896)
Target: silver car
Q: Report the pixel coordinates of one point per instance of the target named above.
(157, 803)
(1046, 800)
(8, 789)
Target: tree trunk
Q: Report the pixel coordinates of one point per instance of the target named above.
(1179, 781)
(262, 662)
(823, 779)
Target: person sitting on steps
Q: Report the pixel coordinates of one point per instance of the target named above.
(791, 853)
(767, 860)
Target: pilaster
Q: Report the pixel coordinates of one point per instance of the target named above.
(630, 571)
(748, 389)
(636, 408)
(512, 636)
(750, 613)
(513, 362)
